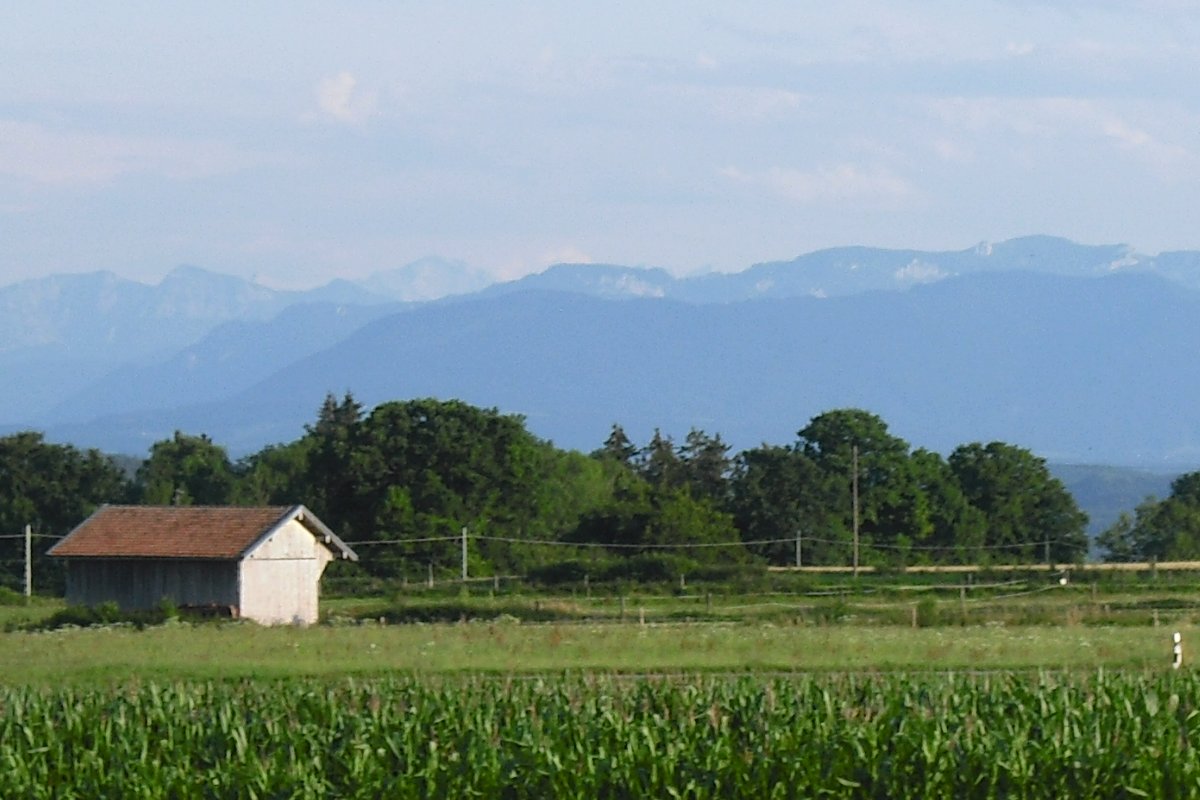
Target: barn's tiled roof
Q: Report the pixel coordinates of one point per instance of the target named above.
(223, 532)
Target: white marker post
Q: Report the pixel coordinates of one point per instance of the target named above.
(1178, 651)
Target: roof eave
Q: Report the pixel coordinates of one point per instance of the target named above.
(61, 542)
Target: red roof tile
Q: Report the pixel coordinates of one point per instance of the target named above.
(169, 532)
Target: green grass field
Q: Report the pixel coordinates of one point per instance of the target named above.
(837, 626)
(213, 651)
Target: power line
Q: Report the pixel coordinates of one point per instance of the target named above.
(558, 543)
(625, 545)
(405, 541)
(693, 545)
(936, 547)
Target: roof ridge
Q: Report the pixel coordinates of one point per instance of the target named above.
(221, 532)
(201, 506)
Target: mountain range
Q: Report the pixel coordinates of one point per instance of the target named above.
(1081, 353)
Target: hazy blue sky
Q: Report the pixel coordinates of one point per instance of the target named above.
(297, 142)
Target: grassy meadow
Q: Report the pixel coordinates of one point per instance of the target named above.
(831, 626)
(246, 651)
(242, 650)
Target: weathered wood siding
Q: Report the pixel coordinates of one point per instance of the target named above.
(280, 578)
(139, 584)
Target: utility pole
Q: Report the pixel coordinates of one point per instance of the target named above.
(464, 554)
(799, 560)
(28, 561)
(854, 500)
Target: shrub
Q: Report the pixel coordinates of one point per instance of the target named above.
(649, 568)
(107, 613)
(557, 573)
(168, 608)
(733, 577)
(10, 598)
(928, 614)
(831, 612)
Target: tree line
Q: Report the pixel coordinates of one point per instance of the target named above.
(403, 479)
(1166, 529)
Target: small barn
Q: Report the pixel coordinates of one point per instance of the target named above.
(262, 564)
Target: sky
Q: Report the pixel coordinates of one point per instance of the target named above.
(293, 142)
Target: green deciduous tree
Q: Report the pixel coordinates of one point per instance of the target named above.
(424, 469)
(959, 530)
(1023, 505)
(892, 509)
(277, 475)
(1167, 529)
(643, 519)
(1117, 541)
(186, 470)
(51, 488)
(778, 492)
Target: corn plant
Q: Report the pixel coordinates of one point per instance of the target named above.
(878, 735)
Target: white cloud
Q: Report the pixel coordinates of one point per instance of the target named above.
(1066, 117)
(1162, 154)
(837, 183)
(917, 271)
(340, 98)
(635, 287)
(38, 153)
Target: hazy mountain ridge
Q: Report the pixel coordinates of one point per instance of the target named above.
(841, 271)
(61, 333)
(429, 278)
(1076, 369)
(1080, 355)
(219, 364)
(1105, 492)
(611, 281)
(101, 315)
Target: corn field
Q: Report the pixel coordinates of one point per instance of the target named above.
(865, 735)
